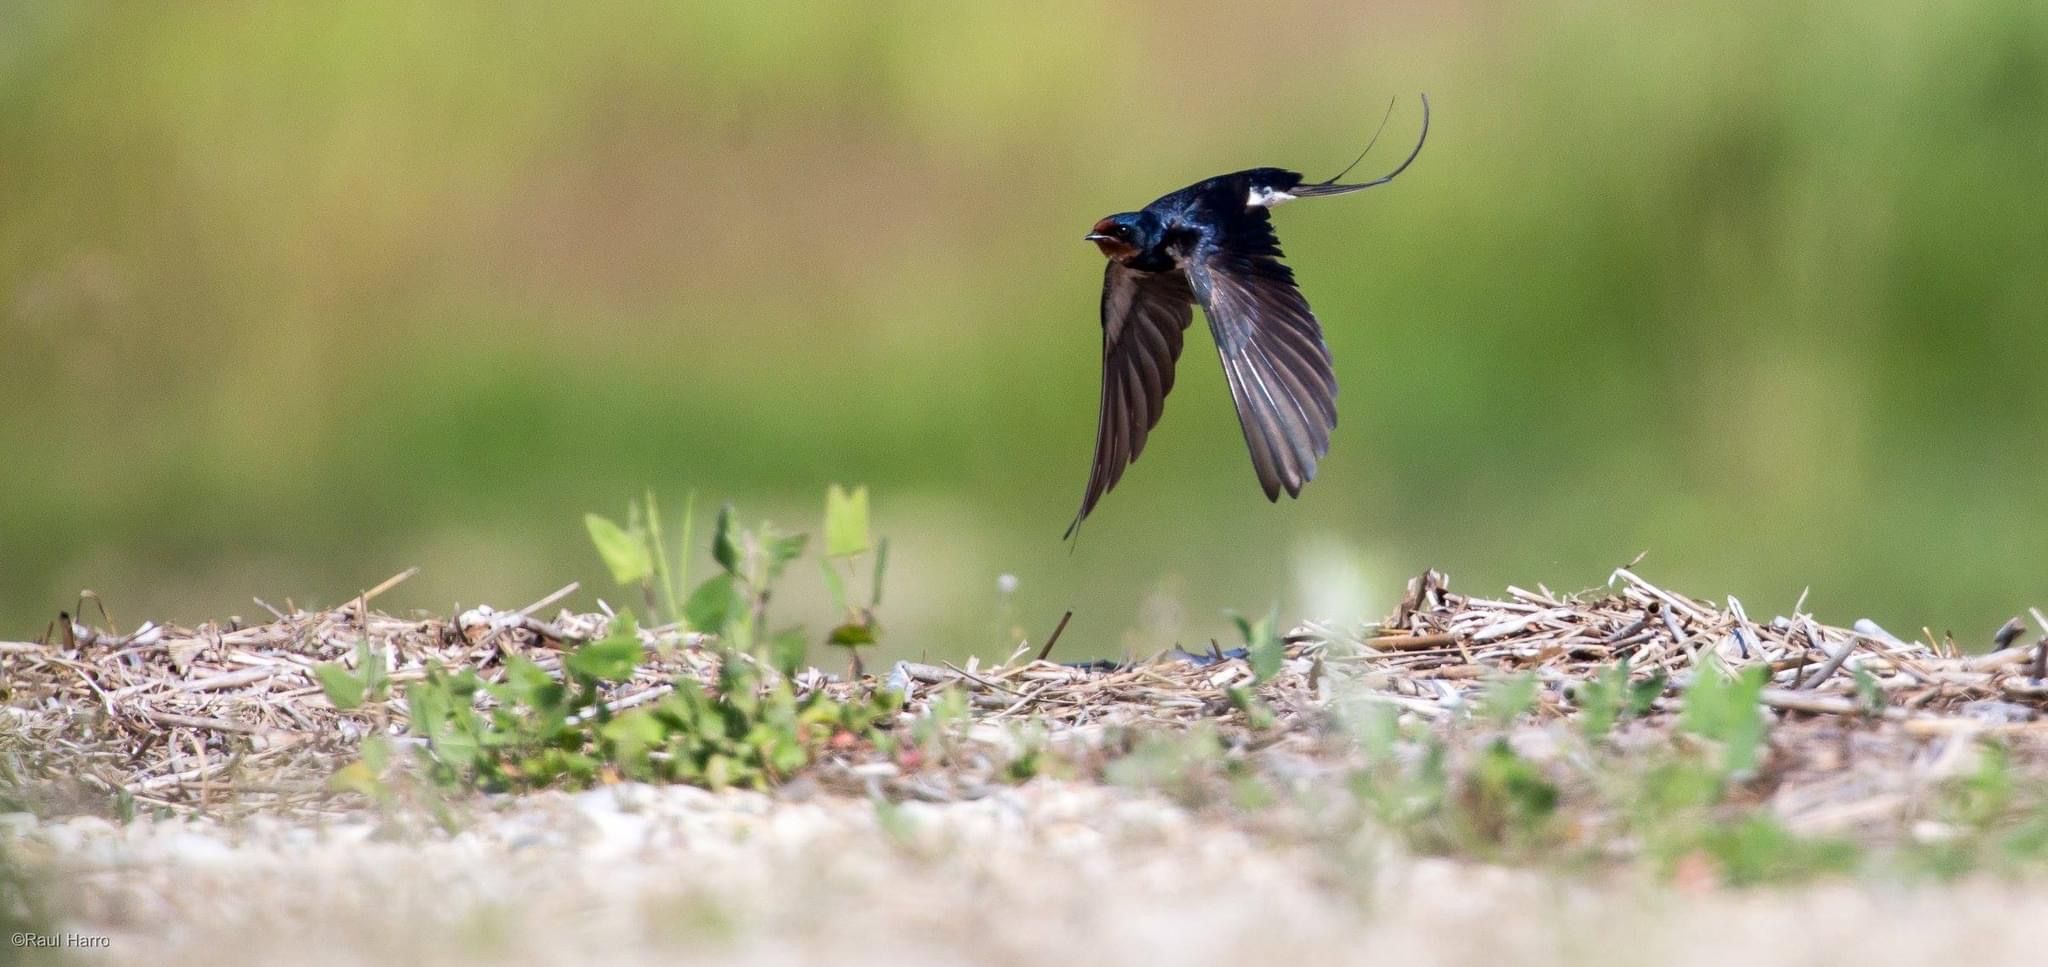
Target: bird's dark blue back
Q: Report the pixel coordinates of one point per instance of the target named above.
(1226, 195)
(1218, 211)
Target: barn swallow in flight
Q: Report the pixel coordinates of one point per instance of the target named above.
(1213, 243)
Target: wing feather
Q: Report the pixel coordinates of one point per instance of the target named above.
(1143, 317)
(1273, 354)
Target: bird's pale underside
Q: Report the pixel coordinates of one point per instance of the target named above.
(1212, 243)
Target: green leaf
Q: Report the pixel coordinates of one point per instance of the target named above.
(357, 777)
(1265, 652)
(852, 634)
(455, 746)
(1611, 697)
(1511, 790)
(610, 660)
(713, 604)
(787, 755)
(738, 632)
(834, 583)
(718, 771)
(634, 732)
(1508, 699)
(1724, 707)
(725, 548)
(786, 650)
(376, 753)
(370, 667)
(624, 552)
(782, 550)
(881, 568)
(1256, 713)
(1868, 692)
(342, 686)
(846, 521)
(429, 703)
(524, 680)
(441, 714)
(1245, 632)
(1599, 700)
(1643, 695)
(1758, 849)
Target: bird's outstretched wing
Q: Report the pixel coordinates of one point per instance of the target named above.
(1272, 349)
(1143, 315)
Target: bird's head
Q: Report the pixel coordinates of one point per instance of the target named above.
(1123, 236)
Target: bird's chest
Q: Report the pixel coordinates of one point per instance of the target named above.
(1170, 252)
(1159, 259)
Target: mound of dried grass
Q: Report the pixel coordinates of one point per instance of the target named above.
(194, 717)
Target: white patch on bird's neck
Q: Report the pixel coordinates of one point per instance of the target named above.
(1263, 196)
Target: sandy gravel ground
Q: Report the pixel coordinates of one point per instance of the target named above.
(1046, 873)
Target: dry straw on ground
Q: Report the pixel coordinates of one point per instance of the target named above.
(219, 714)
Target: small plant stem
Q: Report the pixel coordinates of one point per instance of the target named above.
(659, 548)
(682, 581)
(1054, 639)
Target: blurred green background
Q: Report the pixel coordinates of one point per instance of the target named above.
(295, 296)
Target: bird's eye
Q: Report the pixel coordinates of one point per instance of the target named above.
(1120, 231)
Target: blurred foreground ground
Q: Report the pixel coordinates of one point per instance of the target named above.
(1045, 873)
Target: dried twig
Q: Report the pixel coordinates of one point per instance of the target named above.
(1833, 664)
(1054, 639)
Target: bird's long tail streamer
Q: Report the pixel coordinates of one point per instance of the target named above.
(1331, 187)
